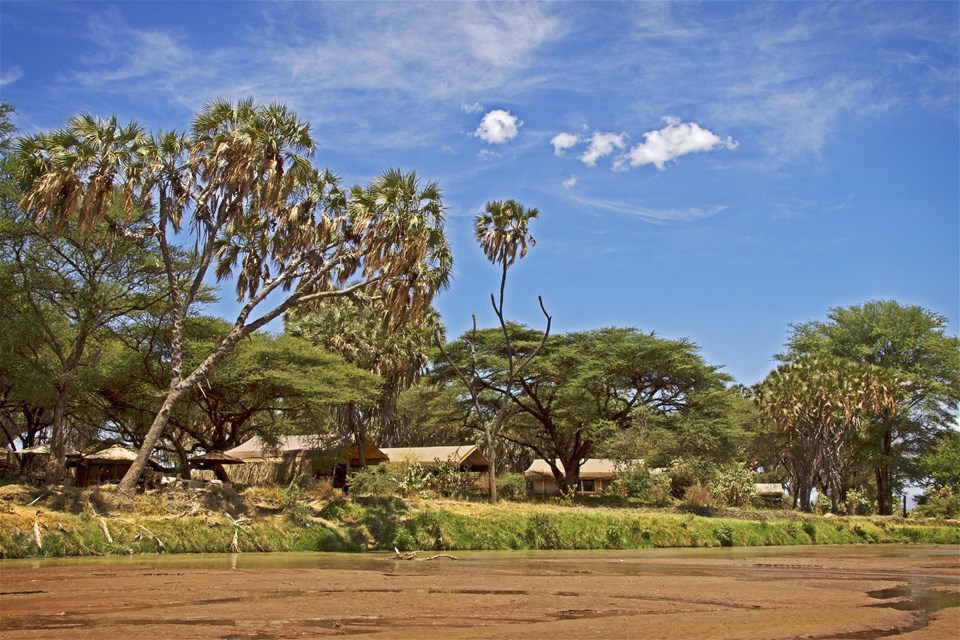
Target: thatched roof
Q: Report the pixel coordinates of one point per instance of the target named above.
(460, 455)
(215, 457)
(259, 449)
(116, 453)
(44, 450)
(591, 468)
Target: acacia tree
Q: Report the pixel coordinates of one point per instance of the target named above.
(503, 232)
(816, 408)
(911, 343)
(256, 210)
(587, 388)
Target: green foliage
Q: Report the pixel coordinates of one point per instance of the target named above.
(700, 496)
(632, 480)
(292, 503)
(513, 487)
(733, 485)
(941, 466)
(858, 503)
(374, 480)
(942, 502)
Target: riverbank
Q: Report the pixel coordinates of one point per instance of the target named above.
(860, 591)
(104, 522)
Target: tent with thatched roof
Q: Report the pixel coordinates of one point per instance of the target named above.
(596, 476)
(108, 465)
(282, 460)
(465, 457)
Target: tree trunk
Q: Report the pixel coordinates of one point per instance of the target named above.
(882, 471)
(57, 463)
(132, 476)
(492, 474)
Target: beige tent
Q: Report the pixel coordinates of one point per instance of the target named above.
(465, 457)
(311, 455)
(108, 465)
(770, 493)
(596, 475)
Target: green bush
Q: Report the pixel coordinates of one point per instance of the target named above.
(376, 480)
(513, 487)
(292, 503)
(939, 503)
(699, 496)
(858, 503)
(733, 485)
(633, 481)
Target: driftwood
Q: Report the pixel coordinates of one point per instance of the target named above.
(412, 555)
(240, 524)
(106, 531)
(160, 546)
(37, 536)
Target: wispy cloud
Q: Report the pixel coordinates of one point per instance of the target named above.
(570, 182)
(10, 76)
(647, 214)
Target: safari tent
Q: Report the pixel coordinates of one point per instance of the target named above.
(305, 455)
(465, 457)
(596, 475)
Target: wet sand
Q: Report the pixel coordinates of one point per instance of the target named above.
(849, 593)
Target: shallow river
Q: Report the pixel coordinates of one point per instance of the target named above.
(844, 592)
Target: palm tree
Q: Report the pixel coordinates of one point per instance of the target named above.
(503, 232)
(259, 213)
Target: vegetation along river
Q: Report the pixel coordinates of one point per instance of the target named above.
(839, 592)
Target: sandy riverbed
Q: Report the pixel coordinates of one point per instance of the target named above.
(853, 593)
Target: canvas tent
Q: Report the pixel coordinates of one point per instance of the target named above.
(464, 457)
(596, 475)
(108, 465)
(291, 456)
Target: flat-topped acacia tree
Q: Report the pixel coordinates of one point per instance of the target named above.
(240, 193)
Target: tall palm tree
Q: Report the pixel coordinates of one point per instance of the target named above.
(259, 213)
(503, 232)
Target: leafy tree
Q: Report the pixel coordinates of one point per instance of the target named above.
(503, 232)
(816, 408)
(586, 388)
(242, 187)
(910, 342)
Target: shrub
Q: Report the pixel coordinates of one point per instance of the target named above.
(939, 503)
(724, 535)
(633, 481)
(660, 490)
(858, 503)
(292, 503)
(513, 487)
(377, 480)
(698, 495)
(733, 485)
(686, 472)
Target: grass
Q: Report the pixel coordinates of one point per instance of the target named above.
(335, 523)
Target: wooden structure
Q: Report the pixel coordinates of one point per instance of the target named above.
(465, 457)
(596, 475)
(280, 462)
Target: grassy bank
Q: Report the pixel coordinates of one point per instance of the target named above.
(93, 525)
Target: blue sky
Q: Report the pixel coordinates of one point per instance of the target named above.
(715, 171)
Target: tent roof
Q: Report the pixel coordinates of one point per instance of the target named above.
(44, 449)
(116, 453)
(456, 454)
(257, 447)
(769, 489)
(216, 457)
(590, 468)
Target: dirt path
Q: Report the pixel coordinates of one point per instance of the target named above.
(823, 593)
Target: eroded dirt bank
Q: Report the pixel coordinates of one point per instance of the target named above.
(848, 592)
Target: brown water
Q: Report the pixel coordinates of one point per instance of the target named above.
(844, 592)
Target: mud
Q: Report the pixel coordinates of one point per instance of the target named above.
(850, 593)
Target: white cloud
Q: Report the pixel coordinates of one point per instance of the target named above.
(12, 75)
(570, 182)
(563, 141)
(476, 107)
(488, 154)
(498, 126)
(669, 143)
(602, 144)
